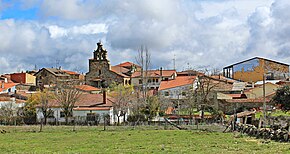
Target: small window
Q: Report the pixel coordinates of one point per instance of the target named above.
(183, 93)
(126, 81)
(62, 115)
(100, 72)
(149, 80)
(156, 80)
(166, 93)
(140, 81)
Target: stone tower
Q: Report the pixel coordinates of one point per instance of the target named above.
(98, 66)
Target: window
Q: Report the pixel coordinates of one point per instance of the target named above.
(50, 113)
(183, 93)
(126, 81)
(166, 93)
(140, 81)
(62, 115)
(156, 80)
(149, 80)
(100, 72)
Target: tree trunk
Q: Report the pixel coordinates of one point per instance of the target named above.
(118, 120)
(41, 125)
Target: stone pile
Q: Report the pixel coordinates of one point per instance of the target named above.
(276, 133)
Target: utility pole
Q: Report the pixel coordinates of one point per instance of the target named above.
(264, 98)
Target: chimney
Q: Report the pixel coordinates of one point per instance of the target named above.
(104, 97)
(5, 80)
(161, 71)
(2, 85)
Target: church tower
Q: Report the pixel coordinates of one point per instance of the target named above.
(98, 66)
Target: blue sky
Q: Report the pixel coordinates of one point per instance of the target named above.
(199, 33)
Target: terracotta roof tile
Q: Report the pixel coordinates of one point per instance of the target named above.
(259, 100)
(71, 72)
(127, 64)
(87, 88)
(178, 81)
(120, 70)
(91, 108)
(7, 85)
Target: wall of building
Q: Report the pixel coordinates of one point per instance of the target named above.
(253, 70)
(101, 69)
(45, 77)
(257, 92)
(18, 77)
(176, 92)
(30, 79)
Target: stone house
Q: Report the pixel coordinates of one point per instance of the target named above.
(52, 76)
(102, 74)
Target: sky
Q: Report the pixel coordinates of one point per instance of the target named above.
(196, 33)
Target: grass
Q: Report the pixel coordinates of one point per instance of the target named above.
(274, 114)
(61, 139)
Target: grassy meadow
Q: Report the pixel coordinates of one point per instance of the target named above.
(61, 139)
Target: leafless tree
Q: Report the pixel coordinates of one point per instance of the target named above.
(122, 95)
(144, 60)
(67, 96)
(9, 111)
(42, 98)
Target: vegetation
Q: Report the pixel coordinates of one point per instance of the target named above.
(282, 97)
(125, 140)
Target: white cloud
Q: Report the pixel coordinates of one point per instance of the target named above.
(215, 33)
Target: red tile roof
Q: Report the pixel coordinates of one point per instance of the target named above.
(259, 100)
(87, 88)
(87, 100)
(155, 73)
(127, 64)
(177, 82)
(70, 72)
(7, 85)
(120, 70)
(91, 108)
(237, 95)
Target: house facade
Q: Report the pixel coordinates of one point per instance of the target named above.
(52, 76)
(177, 88)
(23, 78)
(153, 78)
(253, 70)
(88, 105)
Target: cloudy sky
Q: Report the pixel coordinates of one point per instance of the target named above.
(212, 33)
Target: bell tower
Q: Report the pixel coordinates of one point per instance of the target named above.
(99, 65)
(100, 53)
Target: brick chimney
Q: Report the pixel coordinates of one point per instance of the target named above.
(2, 84)
(104, 97)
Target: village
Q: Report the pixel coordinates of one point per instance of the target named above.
(132, 94)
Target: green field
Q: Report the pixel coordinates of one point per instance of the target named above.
(21, 139)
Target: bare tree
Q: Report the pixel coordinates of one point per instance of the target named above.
(122, 95)
(9, 111)
(42, 98)
(67, 96)
(143, 60)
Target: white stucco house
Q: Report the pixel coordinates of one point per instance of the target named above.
(87, 105)
(177, 88)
